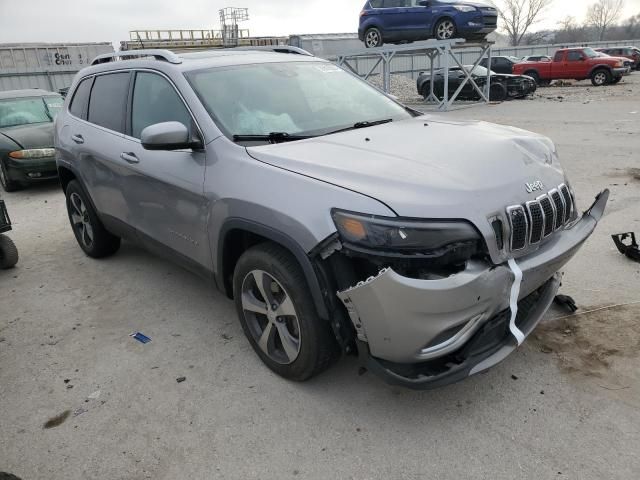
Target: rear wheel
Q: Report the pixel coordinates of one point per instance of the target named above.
(8, 184)
(91, 235)
(497, 92)
(373, 38)
(600, 78)
(445, 29)
(278, 315)
(8, 253)
(533, 74)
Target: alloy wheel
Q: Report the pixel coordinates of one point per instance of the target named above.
(271, 317)
(373, 38)
(445, 30)
(81, 220)
(600, 78)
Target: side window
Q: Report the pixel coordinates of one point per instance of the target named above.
(108, 99)
(574, 56)
(155, 101)
(397, 3)
(376, 3)
(558, 57)
(80, 100)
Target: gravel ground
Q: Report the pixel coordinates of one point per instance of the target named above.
(81, 399)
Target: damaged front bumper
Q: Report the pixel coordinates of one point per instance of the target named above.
(428, 333)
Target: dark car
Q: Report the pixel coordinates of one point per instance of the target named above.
(26, 137)
(502, 87)
(398, 21)
(501, 64)
(8, 250)
(630, 53)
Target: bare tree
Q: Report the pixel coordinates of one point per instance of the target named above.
(604, 13)
(519, 15)
(569, 31)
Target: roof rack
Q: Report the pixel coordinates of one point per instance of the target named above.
(162, 55)
(277, 49)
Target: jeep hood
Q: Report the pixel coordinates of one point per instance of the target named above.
(427, 167)
(38, 135)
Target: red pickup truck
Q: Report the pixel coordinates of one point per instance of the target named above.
(576, 64)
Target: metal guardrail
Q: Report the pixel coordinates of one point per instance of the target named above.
(436, 51)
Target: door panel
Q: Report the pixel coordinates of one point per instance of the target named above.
(164, 190)
(419, 21)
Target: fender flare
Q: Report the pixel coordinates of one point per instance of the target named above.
(282, 239)
(599, 67)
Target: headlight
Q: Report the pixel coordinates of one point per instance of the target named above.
(464, 8)
(401, 235)
(33, 153)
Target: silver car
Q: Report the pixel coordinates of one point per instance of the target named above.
(338, 220)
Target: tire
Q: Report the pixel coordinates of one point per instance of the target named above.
(445, 29)
(373, 38)
(600, 78)
(497, 92)
(8, 253)
(91, 235)
(311, 346)
(7, 184)
(533, 74)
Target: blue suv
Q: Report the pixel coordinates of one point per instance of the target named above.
(399, 21)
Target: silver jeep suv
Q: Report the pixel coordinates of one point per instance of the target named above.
(336, 218)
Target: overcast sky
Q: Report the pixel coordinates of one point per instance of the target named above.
(111, 20)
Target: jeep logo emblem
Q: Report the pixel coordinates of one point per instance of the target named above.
(534, 187)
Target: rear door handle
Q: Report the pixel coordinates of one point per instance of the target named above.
(129, 157)
(77, 138)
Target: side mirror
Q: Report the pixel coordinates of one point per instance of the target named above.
(167, 136)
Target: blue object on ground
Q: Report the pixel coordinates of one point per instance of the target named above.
(140, 337)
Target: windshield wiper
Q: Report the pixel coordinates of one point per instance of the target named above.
(364, 124)
(273, 137)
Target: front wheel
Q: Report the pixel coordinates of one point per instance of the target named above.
(497, 92)
(278, 315)
(373, 38)
(445, 29)
(600, 78)
(7, 184)
(91, 235)
(8, 253)
(533, 74)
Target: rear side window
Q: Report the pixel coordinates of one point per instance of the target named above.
(80, 99)
(108, 100)
(397, 3)
(376, 3)
(156, 101)
(558, 57)
(574, 56)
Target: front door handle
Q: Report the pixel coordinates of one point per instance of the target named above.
(77, 138)
(129, 157)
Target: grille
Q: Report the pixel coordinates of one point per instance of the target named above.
(519, 224)
(536, 222)
(539, 218)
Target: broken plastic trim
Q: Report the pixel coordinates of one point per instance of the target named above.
(630, 249)
(513, 302)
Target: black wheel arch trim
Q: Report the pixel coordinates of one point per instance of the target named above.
(280, 238)
(601, 67)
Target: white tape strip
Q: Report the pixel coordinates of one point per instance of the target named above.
(515, 293)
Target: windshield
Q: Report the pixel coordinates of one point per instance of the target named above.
(591, 53)
(296, 98)
(27, 111)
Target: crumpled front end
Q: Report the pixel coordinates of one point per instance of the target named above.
(424, 333)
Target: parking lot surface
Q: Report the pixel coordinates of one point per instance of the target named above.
(565, 405)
